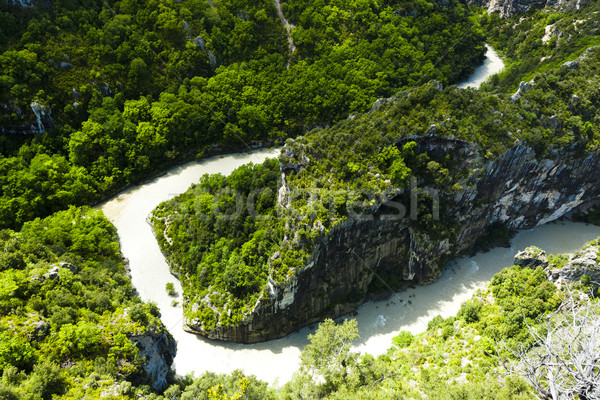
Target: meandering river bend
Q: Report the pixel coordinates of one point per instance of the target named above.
(378, 322)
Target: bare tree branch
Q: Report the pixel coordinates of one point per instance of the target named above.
(565, 359)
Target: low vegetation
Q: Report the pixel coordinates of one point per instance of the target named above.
(68, 312)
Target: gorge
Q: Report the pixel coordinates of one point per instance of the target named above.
(378, 321)
(424, 203)
(277, 360)
(323, 263)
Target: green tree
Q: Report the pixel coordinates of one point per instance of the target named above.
(47, 380)
(328, 356)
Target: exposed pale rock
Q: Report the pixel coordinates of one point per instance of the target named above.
(531, 257)
(158, 350)
(380, 103)
(507, 8)
(53, 273)
(432, 130)
(523, 88)
(584, 262)
(199, 42)
(572, 64)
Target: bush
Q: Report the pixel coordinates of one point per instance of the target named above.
(404, 339)
(138, 314)
(47, 380)
(170, 288)
(471, 311)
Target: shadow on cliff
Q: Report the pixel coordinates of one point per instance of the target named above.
(297, 339)
(412, 309)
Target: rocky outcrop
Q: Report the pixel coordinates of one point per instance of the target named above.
(507, 8)
(41, 120)
(583, 263)
(158, 350)
(531, 257)
(523, 88)
(517, 190)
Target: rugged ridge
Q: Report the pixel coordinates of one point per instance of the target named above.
(517, 190)
(583, 263)
(507, 8)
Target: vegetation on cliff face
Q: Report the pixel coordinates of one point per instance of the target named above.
(134, 86)
(220, 247)
(468, 356)
(542, 41)
(128, 87)
(346, 171)
(69, 317)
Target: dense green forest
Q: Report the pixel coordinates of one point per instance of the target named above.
(131, 87)
(69, 317)
(67, 331)
(227, 257)
(541, 42)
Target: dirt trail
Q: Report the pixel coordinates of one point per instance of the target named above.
(288, 28)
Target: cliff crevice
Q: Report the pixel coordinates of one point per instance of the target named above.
(517, 189)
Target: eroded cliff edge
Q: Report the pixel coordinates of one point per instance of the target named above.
(507, 8)
(516, 189)
(508, 162)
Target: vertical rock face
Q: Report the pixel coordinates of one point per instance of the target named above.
(29, 3)
(21, 3)
(41, 115)
(507, 8)
(516, 189)
(159, 351)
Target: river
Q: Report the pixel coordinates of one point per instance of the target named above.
(275, 361)
(491, 65)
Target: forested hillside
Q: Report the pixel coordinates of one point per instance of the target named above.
(126, 88)
(231, 260)
(541, 42)
(70, 320)
(97, 95)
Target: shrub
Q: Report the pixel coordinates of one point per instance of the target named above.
(470, 312)
(170, 288)
(404, 339)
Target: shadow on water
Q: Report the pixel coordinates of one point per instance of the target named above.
(412, 309)
(378, 322)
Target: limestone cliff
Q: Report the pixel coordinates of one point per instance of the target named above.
(507, 8)
(39, 120)
(517, 190)
(158, 350)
